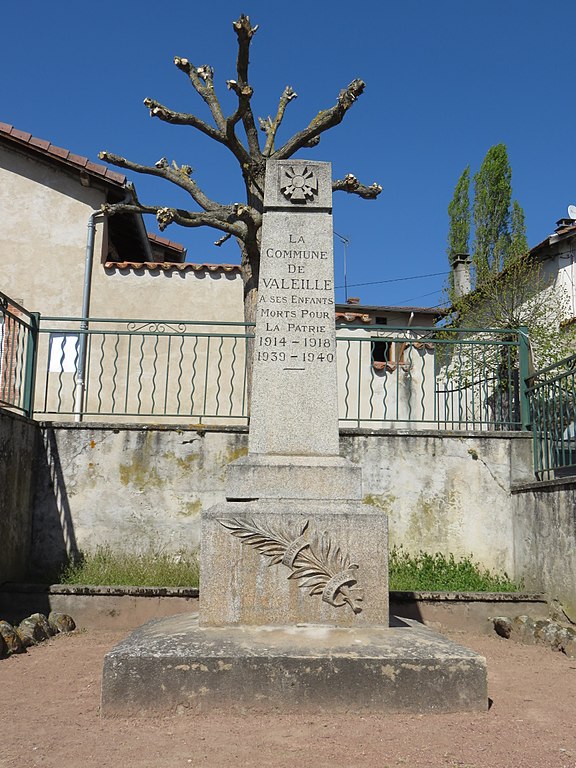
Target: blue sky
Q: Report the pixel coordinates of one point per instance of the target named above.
(445, 81)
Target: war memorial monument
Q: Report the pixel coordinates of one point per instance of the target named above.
(293, 568)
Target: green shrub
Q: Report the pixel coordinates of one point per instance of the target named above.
(153, 568)
(425, 572)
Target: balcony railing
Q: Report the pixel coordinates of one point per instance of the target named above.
(18, 340)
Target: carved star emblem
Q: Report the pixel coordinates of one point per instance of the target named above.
(299, 186)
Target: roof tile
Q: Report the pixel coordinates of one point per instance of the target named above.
(21, 135)
(58, 151)
(78, 161)
(40, 143)
(165, 242)
(168, 266)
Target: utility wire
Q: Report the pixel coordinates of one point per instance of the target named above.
(395, 280)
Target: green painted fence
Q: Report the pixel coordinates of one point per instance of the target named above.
(173, 370)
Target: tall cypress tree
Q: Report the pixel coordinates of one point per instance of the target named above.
(459, 214)
(491, 211)
(459, 230)
(518, 240)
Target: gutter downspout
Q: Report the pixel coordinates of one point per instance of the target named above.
(86, 293)
(80, 389)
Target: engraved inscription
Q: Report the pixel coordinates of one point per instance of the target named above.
(321, 568)
(295, 314)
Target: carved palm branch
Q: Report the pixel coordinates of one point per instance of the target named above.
(320, 567)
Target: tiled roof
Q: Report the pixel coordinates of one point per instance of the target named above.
(553, 238)
(383, 309)
(58, 153)
(352, 317)
(165, 243)
(168, 266)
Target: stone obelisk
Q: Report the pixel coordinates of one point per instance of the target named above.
(294, 544)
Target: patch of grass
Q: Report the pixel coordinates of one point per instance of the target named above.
(425, 572)
(108, 567)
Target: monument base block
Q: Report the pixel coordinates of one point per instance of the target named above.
(259, 476)
(174, 664)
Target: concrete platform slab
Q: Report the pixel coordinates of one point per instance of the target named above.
(173, 664)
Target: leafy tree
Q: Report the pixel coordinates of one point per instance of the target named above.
(522, 295)
(518, 240)
(243, 221)
(491, 211)
(459, 213)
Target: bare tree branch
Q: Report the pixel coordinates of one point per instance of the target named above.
(202, 78)
(245, 33)
(222, 240)
(244, 93)
(224, 221)
(182, 118)
(177, 175)
(323, 121)
(351, 184)
(269, 126)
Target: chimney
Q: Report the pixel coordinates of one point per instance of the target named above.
(353, 300)
(563, 223)
(461, 272)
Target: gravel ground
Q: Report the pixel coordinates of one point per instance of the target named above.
(49, 716)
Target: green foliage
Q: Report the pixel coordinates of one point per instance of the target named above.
(459, 213)
(518, 241)
(434, 572)
(459, 231)
(491, 211)
(522, 295)
(153, 568)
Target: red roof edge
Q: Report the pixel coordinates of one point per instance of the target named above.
(44, 147)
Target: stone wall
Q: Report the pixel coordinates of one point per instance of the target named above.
(145, 486)
(544, 531)
(18, 439)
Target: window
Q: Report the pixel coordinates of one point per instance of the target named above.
(386, 353)
(63, 353)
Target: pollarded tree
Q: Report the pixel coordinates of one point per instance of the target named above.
(242, 221)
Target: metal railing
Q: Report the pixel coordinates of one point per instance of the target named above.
(173, 370)
(134, 370)
(436, 378)
(18, 339)
(552, 397)
(138, 369)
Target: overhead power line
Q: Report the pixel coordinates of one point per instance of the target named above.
(395, 280)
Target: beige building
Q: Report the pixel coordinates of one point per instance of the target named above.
(387, 366)
(61, 257)
(165, 335)
(48, 197)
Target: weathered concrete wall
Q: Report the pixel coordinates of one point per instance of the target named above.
(141, 486)
(18, 439)
(544, 532)
(136, 488)
(445, 491)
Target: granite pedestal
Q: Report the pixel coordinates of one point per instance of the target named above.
(175, 665)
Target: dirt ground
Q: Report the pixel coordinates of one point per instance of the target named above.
(49, 716)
